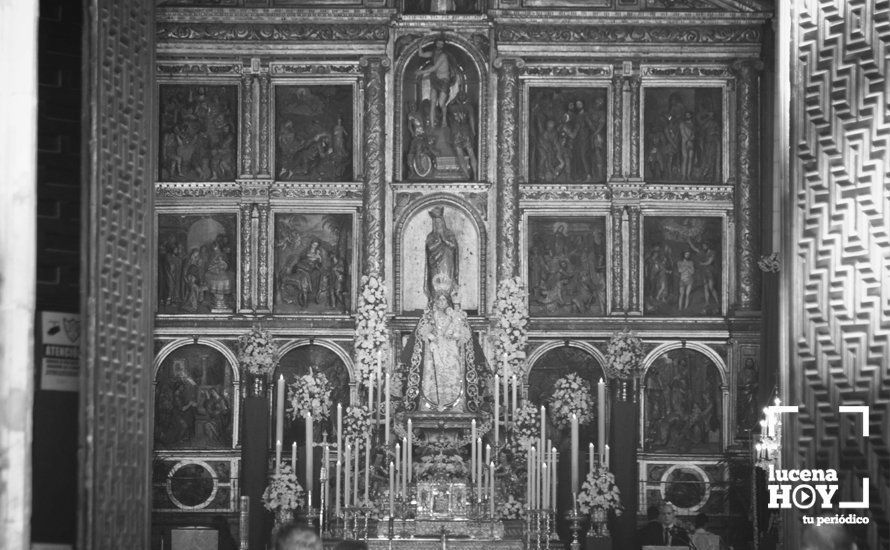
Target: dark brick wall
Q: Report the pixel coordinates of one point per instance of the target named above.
(54, 512)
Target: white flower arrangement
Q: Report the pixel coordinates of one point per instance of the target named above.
(600, 491)
(356, 423)
(624, 354)
(510, 509)
(370, 327)
(310, 394)
(284, 492)
(441, 467)
(257, 352)
(524, 432)
(571, 395)
(510, 326)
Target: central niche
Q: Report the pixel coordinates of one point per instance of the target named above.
(440, 114)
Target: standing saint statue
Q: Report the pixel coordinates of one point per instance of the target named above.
(442, 255)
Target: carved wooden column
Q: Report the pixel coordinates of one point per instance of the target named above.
(115, 497)
(507, 198)
(747, 191)
(246, 257)
(265, 134)
(634, 83)
(633, 258)
(262, 255)
(247, 127)
(617, 255)
(373, 164)
(617, 127)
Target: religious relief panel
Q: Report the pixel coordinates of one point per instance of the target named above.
(194, 398)
(198, 132)
(197, 263)
(683, 135)
(567, 266)
(567, 139)
(440, 128)
(682, 266)
(314, 133)
(440, 255)
(313, 263)
(684, 412)
(748, 410)
(420, 7)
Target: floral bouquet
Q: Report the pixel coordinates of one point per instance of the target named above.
(357, 423)
(600, 492)
(510, 326)
(571, 395)
(370, 327)
(284, 492)
(310, 394)
(441, 466)
(524, 432)
(510, 509)
(624, 354)
(257, 352)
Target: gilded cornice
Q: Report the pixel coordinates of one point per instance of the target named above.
(271, 32)
(629, 34)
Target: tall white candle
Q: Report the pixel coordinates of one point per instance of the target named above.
(410, 460)
(277, 456)
(473, 450)
(392, 489)
(545, 484)
(386, 408)
(506, 383)
(528, 476)
(607, 456)
(347, 470)
(591, 450)
(355, 469)
(497, 408)
(553, 477)
(367, 468)
(339, 429)
(398, 466)
(337, 489)
(371, 396)
(543, 433)
(491, 489)
(479, 469)
(279, 409)
(533, 479)
(487, 453)
(601, 414)
(293, 457)
(405, 467)
(574, 453)
(515, 405)
(309, 440)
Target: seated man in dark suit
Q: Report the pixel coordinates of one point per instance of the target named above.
(665, 531)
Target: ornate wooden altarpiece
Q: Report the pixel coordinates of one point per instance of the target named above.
(605, 152)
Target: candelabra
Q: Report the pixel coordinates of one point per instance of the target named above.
(769, 445)
(575, 519)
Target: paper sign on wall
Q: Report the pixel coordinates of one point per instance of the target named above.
(59, 351)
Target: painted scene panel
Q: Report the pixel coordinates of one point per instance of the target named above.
(197, 266)
(313, 263)
(683, 135)
(198, 133)
(684, 412)
(194, 394)
(567, 266)
(567, 138)
(683, 266)
(314, 133)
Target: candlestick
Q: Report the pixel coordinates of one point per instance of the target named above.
(601, 414)
(491, 490)
(337, 490)
(386, 407)
(347, 470)
(574, 453)
(497, 407)
(277, 456)
(410, 460)
(279, 410)
(367, 467)
(309, 450)
(391, 489)
(293, 457)
(590, 459)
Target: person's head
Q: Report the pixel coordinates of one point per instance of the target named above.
(667, 514)
(579, 105)
(701, 521)
(443, 301)
(440, 43)
(687, 255)
(296, 537)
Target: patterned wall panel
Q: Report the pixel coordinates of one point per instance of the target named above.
(841, 257)
(115, 435)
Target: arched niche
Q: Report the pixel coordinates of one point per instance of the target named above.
(196, 396)
(322, 357)
(414, 90)
(412, 232)
(684, 401)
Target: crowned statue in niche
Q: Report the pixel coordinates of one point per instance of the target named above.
(441, 89)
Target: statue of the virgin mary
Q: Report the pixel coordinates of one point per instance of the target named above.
(442, 375)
